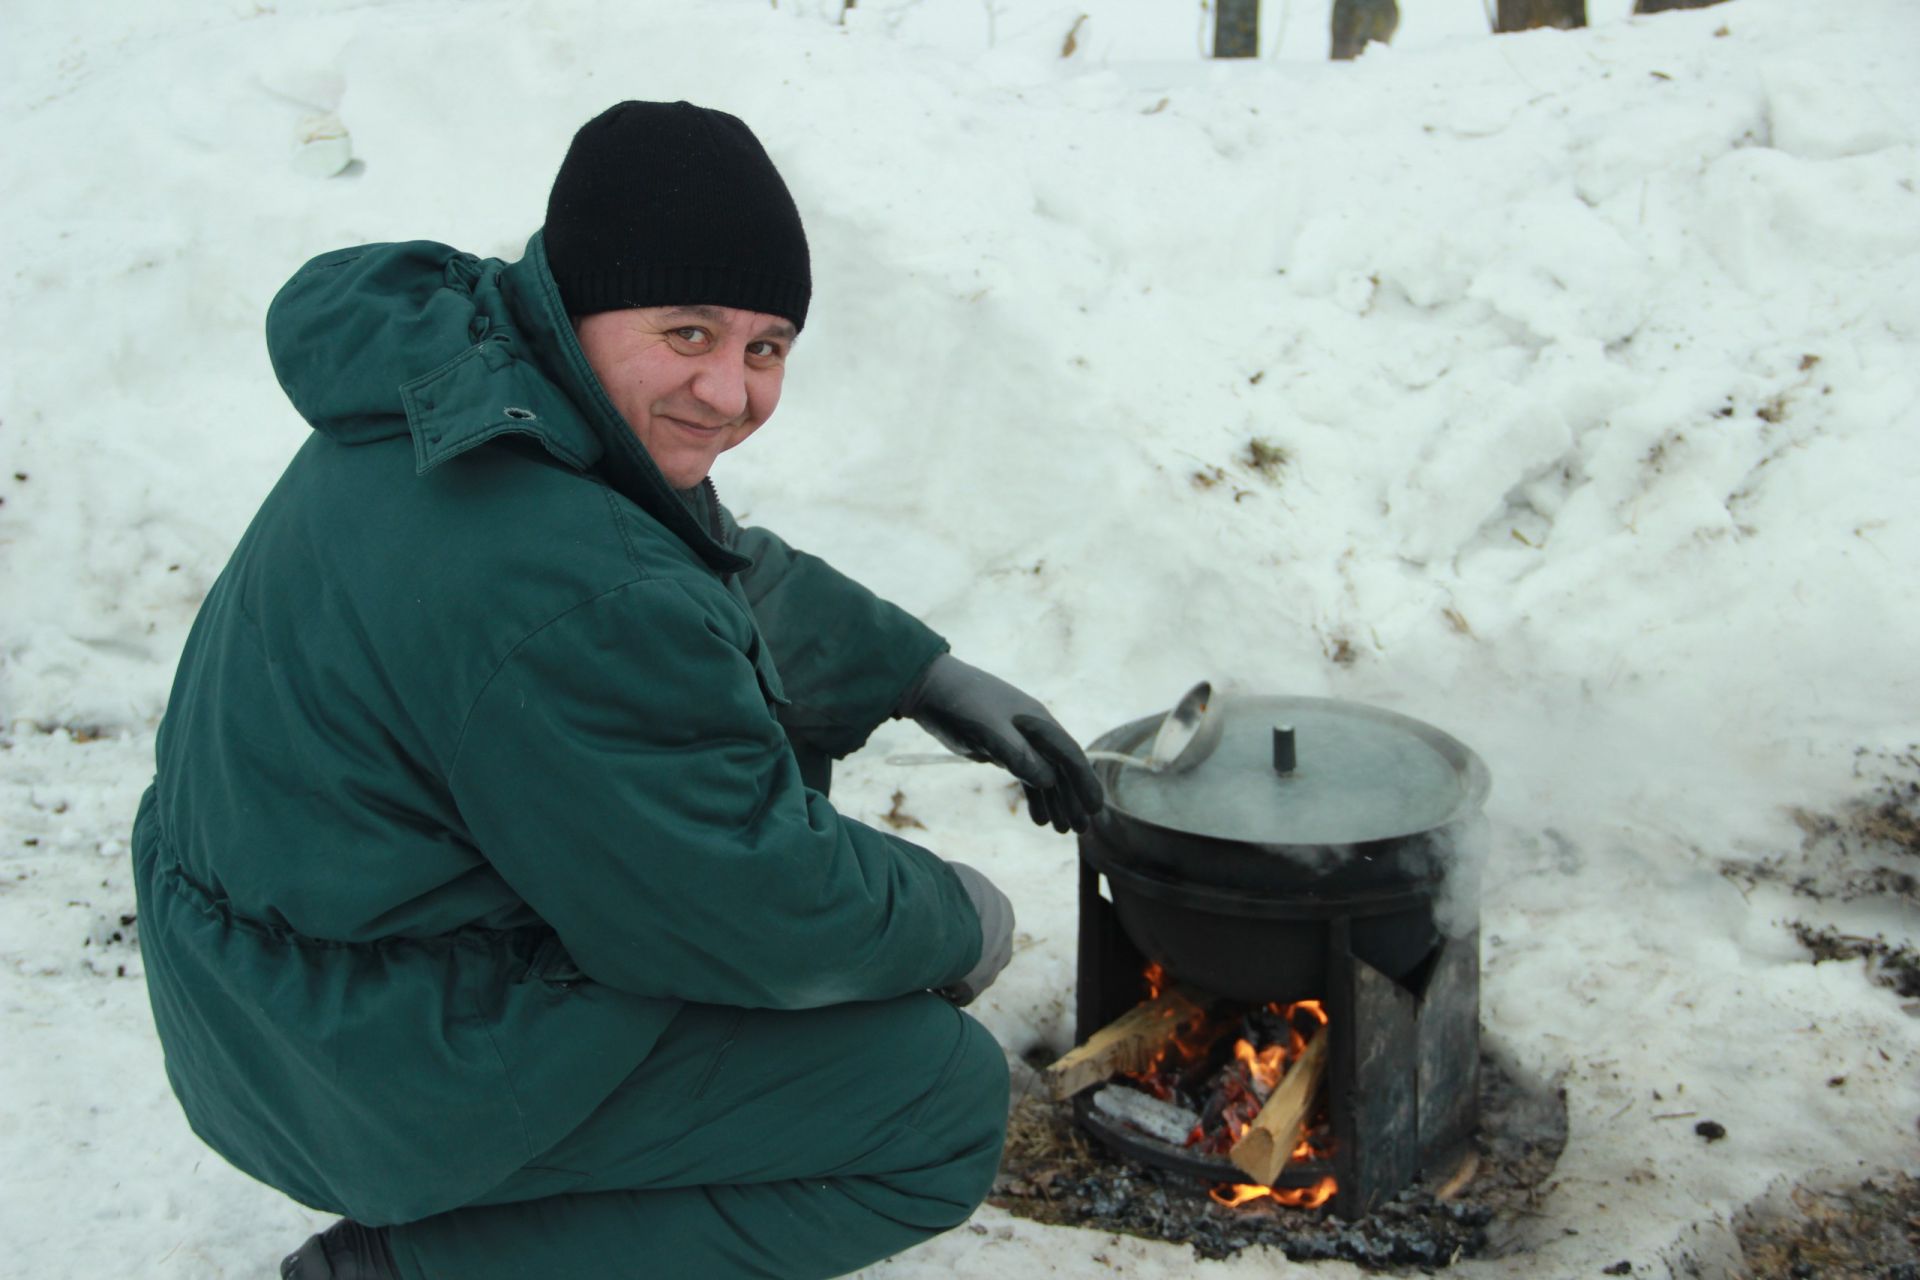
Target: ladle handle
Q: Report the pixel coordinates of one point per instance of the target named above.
(947, 757)
(1120, 757)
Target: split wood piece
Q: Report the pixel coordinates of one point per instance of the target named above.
(1268, 1143)
(1128, 1043)
(1461, 1176)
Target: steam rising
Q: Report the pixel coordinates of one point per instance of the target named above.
(1462, 851)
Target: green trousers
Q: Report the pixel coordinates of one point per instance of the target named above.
(749, 1143)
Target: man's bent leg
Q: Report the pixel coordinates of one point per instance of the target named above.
(751, 1143)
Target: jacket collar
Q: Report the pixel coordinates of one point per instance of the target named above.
(524, 349)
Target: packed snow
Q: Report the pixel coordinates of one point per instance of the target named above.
(1557, 389)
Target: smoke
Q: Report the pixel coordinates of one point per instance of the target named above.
(1461, 850)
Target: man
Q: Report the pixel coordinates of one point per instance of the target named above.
(489, 892)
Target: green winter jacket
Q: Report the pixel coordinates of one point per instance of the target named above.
(481, 759)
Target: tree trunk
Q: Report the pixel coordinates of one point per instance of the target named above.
(1661, 6)
(1355, 22)
(1236, 28)
(1519, 15)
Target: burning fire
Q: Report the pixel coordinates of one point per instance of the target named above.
(1264, 1066)
(1226, 1089)
(1229, 1098)
(1295, 1197)
(1237, 1095)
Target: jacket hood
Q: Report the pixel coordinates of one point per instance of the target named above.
(384, 341)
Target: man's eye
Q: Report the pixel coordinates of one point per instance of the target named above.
(764, 349)
(691, 334)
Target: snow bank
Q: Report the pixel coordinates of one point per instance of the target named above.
(1556, 389)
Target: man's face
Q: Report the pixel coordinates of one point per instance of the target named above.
(692, 381)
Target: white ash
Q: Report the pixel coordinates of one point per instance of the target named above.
(1168, 1121)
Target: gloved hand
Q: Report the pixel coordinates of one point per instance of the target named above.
(983, 717)
(996, 935)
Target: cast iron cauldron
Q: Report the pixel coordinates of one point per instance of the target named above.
(1309, 809)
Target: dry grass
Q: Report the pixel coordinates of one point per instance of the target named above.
(1866, 1232)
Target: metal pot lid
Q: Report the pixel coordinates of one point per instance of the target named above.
(1360, 774)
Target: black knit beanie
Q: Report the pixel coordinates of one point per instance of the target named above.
(665, 203)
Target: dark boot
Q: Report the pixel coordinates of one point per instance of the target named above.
(344, 1251)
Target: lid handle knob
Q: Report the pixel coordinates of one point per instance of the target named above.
(1284, 757)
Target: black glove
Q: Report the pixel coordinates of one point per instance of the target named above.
(983, 717)
(996, 935)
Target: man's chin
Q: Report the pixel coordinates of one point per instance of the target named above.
(686, 475)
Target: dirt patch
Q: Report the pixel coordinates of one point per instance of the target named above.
(1053, 1172)
(1891, 964)
(1867, 851)
(1869, 848)
(1865, 1231)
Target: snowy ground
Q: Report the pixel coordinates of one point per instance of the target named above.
(1590, 355)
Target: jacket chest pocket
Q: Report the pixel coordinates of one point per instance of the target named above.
(767, 675)
(759, 654)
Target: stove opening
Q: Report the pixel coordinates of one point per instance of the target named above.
(1340, 1100)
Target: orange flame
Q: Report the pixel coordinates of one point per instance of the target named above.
(1294, 1197)
(1263, 1066)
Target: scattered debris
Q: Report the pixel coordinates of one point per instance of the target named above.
(1266, 457)
(898, 818)
(1209, 477)
(1889, 964)
(1072, 42)
(1867, 850)
(1711, 1130)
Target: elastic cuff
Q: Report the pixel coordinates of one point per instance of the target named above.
(909, 702)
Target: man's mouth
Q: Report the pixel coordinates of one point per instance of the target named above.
(697, 428)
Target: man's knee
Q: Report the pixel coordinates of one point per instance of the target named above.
(961, 1122)
(984, 1072)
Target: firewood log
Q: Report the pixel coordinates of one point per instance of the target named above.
(1268, 1143)
(1128, 1043)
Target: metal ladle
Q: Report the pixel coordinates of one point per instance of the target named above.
(1187, 736)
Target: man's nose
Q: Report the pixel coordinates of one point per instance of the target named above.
(721, 385)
